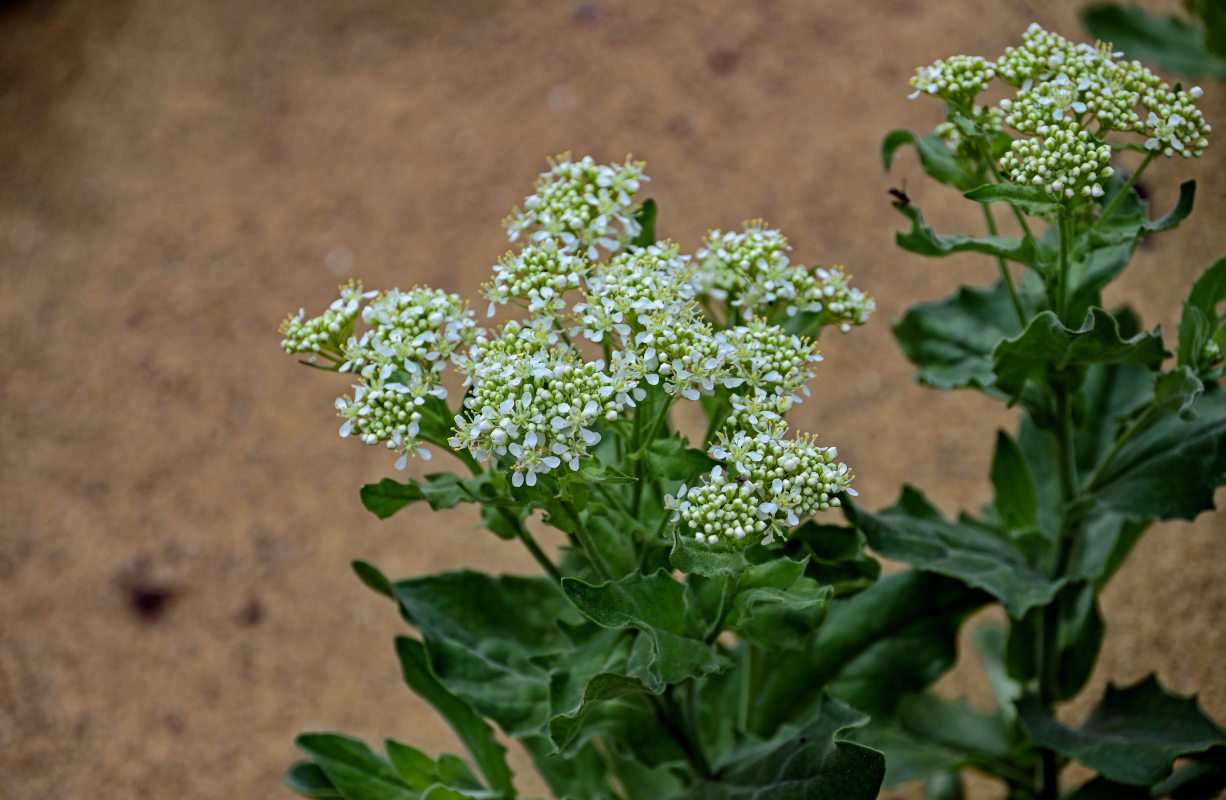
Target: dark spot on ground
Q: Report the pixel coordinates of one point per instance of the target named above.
(252, 613)
(722, 60)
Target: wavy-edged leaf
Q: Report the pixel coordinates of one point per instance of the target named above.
(923, 240)
(914, 531)
(1133, 736)
(814, 763)
(952, 340)
(485, 637)
(658, 606)
(440, 490)
(1047, 345)
(936, 159)
(473, 731)
(776, 606)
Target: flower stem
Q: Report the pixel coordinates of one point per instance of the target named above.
(1127, 187)
(1004, 270)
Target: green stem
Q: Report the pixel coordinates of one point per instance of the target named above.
(1132, 429)
(530, 543)
(1062, 278)
(987, 159)
(1127, 187)
(670, 714)
(585, 542)
(1004, 270)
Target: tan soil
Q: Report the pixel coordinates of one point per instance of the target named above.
(178, 513)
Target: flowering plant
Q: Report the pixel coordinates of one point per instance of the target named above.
(704, 633)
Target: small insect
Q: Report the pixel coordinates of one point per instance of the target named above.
(900, 195)
(742, 478)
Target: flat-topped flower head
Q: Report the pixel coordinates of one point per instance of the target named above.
(328, 332)
(540, 275)
(957, 79)
(535, 402)
(768, 358)
(1066, 163)
(386, 409)
(421, 327)
(582, 206)
(622, 294)
(836, 301)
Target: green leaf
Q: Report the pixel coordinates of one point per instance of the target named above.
(944, 786)
(776, 607)
(931, 735)
(952, 340)
(440, 490)
(1016, 498)
(353, 768)
(835, 556)
(583, 775)
(924, 241)
(914, 531)
(415, 768)
(936, 159)
(1046, 346)
(1201, 322)
(1170, 468)
(1171, 43)
(375, 580)
(645, 216)
(892, 639)
(671, 459)
(1133, 736)
(308, 780)
(477, 736)
(1196, 781)
(658, 606)
(696, 559)
(815, 763)
(1031, 199)
(486, 638)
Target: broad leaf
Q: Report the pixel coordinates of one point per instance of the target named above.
(485, 637)
(815, 763)
(440, 490)
(477, 736)
(1133, 736)
(835, 556)
(914, 531)
(892, 639)
(671, 459)
(1170, 469)
(1016, 497)
(658, 606)
(1173, 44)
(1031, 199)
(935, 157)
(775, 606)
(353, 768)
(1201, 323)
(1048, 346)
(952, 340)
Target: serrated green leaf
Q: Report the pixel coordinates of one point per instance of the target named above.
(814, 763)
(924, 241)
(1047, 345)
(308, 780)
(936, 159)
(486, 636)
(1133, 736)
(657, 605)
(1170, 42)
(477, 736)
(1016, 498)
(645, 216)
(914, 531)
(1170, 469)
(354, 769)
(952, 340)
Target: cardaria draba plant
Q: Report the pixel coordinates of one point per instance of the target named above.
(648, 661)
(1112, 436)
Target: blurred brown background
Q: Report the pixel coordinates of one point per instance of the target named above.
(177, 511)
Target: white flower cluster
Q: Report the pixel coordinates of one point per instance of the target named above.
(540, 274)
(581, 205)
(752, 270)
(768, 358)
(328, 332)
(412, 336)
(535, 400)
(766, 485)
(989, 119)
(957, 79)
(1067, 163)
(1064, 91)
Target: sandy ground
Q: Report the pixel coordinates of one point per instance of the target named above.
(177, 511)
